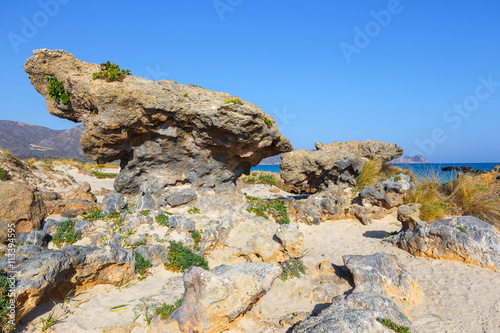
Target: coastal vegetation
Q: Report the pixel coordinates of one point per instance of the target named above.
(292, 268)
(165, 310)
(235, 100)
(141, 264)
(5, 304)
(56, 90)
(66, 234)
(181, 257)
(111, 72)
(265, 208)
(261, 178)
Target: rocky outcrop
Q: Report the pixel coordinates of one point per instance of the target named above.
(463, 238)
(73, 203)
(382, 273)
(358, 312)
(215, 298)
(409, 160)
(43, 274)
(335, 163)
(21, 206)
(159, 130)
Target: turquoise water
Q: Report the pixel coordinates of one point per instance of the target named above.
(419, 169)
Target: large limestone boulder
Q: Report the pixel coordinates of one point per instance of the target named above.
(463, 238)
(383, 273)
(167, 133)
(357, 312)
(43, 274)
(21, 206)
(335, 163)
(213, 299)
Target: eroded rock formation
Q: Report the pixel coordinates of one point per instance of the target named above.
(334, 163)
(167, 133)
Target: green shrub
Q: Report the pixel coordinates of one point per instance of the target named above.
(141, 264)
(66, 234)
(395, 327)
(194, 210)
(185, 95)
(5, 304)
(111, 72)
(276, 208)
(261, 178)
(144, 212)
(93, 214)
(164, 311)
(56, 90)
(462, 229)
(181, 257)
(397, 178)
(137, 244)
(268, 122)
(292, 268)
(3, 175)
(234, 100)
(196, 237)
(103, 175)
(162, 219)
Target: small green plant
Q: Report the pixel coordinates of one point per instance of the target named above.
(141, 264)
(292, 268)
(162, 219)
(389, 234)
(194, 210)
(3, 175)
(103, 175)
(276, 208)
(92, 214)
(397, 178)
(56, 90)
(164, 311)
(235, 100)
(268, 122)
(395, 327)
(114, 216)
(261, 178)
(137, 244)
(111, 72)
(50, 320)
(144, 212)
(346, 210)
(66, 234)
(196, 237)
(462, 229)
(186, 95)
(181, 257)
(5, 287)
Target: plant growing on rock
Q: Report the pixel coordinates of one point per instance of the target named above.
(56, 90)
(164, 311)
(5, 304)
(162, 219)
(3, 175)
(111, 72)
(92, 214)
(144, 212)
(261, 178)
(141, 264)
(196, 235)
(292, 268)
(395, 327)
(234, 100)
(369, 175)
(268, 122)
(276, 208)
(180, 257)
(66, 234)
(194, 210)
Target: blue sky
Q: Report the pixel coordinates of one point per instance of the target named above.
(422, 74)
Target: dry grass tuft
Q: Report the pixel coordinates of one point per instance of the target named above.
(370, 174)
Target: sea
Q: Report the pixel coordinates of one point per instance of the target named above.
(419, 169)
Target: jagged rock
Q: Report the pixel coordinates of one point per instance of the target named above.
(215, 298)
(71, 207)
(372, 149)
(181, 222)
(113, 202)
(177, 134)
(81, 192)
(21, 206)
(292, 240)
(463, 238)
(156, 254)
(51, 274)
(355, 313)
(409, 216)
(336, 163)
(35, 237)
(386, 194)
(366, 215)
(326, 205)
(386, 272)
(49, 196)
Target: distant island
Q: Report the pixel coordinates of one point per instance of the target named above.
(409, 160)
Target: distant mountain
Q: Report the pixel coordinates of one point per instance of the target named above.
(273, 160)
(409, 160)
(26, 140)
